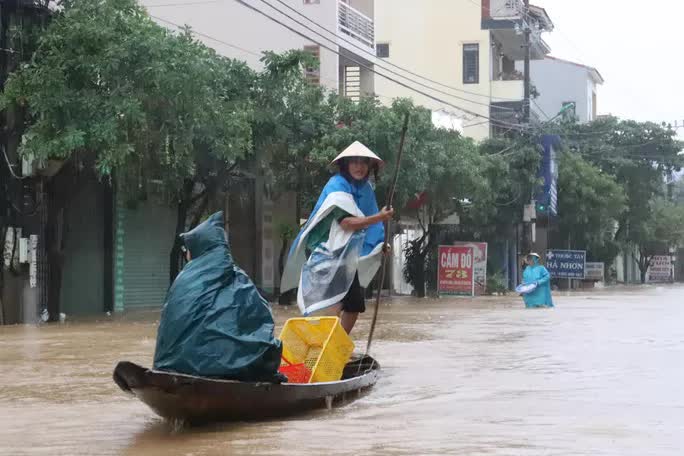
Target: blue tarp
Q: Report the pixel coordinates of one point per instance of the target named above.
(324, 276)
(214, 322)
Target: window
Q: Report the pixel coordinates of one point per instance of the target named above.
(313, 73)
(569, 110)
(471, 63)
(382, 50)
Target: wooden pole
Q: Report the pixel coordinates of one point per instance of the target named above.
(390, 198)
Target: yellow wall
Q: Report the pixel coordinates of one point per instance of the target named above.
(427, 38)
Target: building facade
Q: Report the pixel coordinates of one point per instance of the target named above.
(564, 84)
(466, 53)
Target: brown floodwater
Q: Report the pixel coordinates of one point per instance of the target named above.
(601, 374)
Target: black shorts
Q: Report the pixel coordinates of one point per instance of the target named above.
(354, 300)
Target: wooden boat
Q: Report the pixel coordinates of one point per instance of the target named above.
(198, 400)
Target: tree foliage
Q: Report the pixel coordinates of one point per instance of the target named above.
(108, 82)
(590, 202)
(639, 155)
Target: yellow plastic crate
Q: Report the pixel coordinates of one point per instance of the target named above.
(320, 343)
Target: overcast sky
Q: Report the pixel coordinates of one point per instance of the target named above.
(637, 46)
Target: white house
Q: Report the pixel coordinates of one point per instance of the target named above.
(562, 83)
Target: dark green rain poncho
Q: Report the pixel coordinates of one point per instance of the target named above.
(214, 322)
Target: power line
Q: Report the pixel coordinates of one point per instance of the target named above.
(366, 67)
(541, 110)
(386, 62)
(365, 51)
(200, 2)
(247, 51)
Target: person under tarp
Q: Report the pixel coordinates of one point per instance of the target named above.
(214, 322)
(338, 251)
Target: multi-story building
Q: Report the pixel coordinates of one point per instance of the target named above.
(235, 30)
(467, 50)
(564, 85)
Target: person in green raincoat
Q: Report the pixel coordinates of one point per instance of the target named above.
(214, 322)
(537, 274)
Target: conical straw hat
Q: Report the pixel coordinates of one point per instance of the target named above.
(358, 150)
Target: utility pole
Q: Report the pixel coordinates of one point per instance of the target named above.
(526, 225)
(527, 32)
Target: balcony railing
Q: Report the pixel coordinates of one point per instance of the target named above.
(355, 24)
(505, 9)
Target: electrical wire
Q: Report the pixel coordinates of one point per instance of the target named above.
(366, 67)
(376, 64)
(204, 35)
(247, 51)
(199, 2)
(386, 62)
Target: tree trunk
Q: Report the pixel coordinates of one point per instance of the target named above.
(644, 263)
(59, 190)
(55, 251)
(3, 234)
(282, 256)
(284, 299)
(420, 278)
(175, 256)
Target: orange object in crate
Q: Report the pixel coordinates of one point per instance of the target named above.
(295, 373)
(320, 343)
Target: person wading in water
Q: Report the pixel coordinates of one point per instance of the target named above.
(538, 275)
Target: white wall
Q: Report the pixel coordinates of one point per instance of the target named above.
(427, 38)
(250, 33)
(559, 82)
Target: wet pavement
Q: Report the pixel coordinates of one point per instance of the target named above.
(601, 374)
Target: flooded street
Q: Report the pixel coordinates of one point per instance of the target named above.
(601, 374)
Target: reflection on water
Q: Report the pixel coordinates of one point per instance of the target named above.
(599, 375)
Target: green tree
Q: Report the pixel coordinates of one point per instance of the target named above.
(660, 230)
(639, 155)
(453, 168)
(109, 87)
(291, 118)
(509, 175)
(590, 203)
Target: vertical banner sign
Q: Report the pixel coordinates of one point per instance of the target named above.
(33, 261)
(455, 270)
(479, 265)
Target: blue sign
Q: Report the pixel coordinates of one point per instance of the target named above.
(566, 264)
(547, 193)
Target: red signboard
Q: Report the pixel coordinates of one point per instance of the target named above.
(455, 270)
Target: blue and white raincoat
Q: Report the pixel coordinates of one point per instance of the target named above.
(324, 258)
(539, 275)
